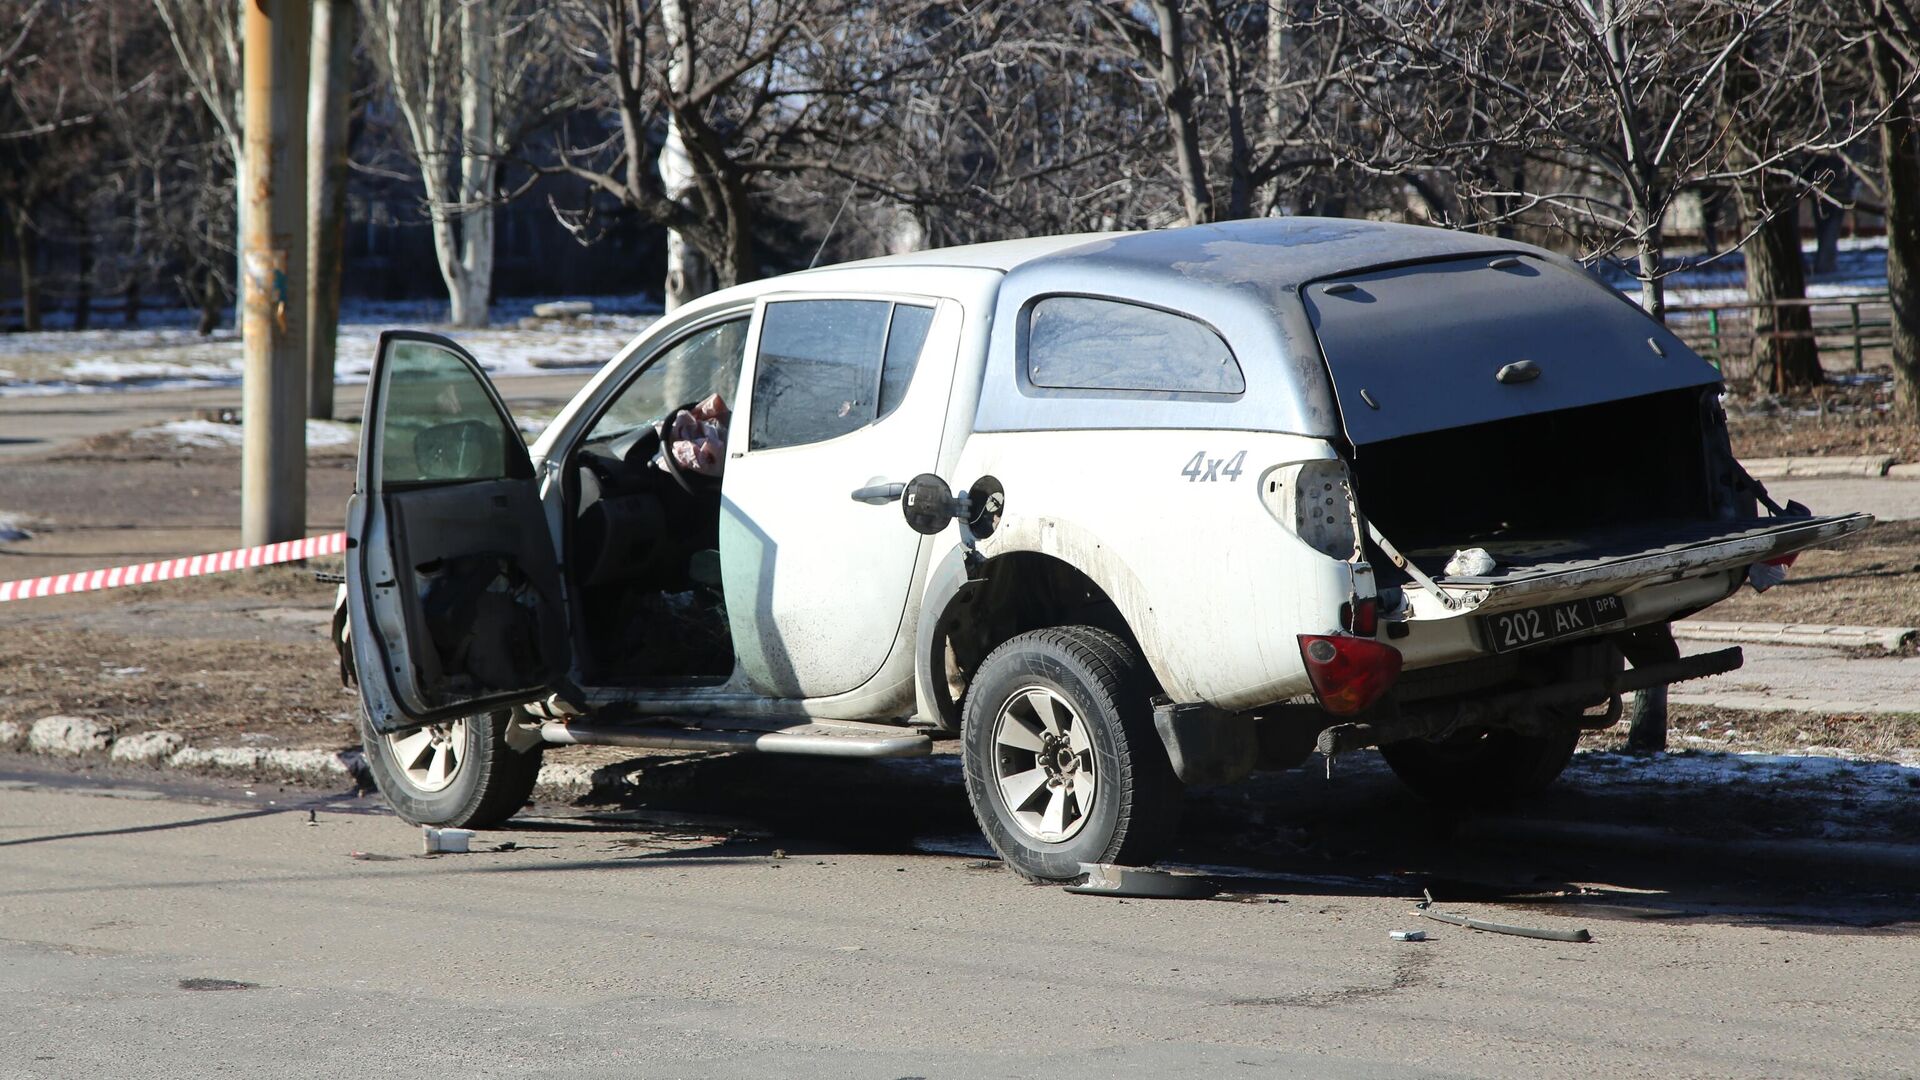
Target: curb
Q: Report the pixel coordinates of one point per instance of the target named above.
(1754, 701)
(1798, 468)
(1890, 638)
(84, 739)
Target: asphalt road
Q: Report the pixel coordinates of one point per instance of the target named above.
(158, 933)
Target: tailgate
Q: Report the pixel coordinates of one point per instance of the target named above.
(1541, 570)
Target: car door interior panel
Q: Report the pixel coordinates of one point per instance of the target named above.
(482, 600)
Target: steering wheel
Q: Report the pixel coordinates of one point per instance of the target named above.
(671, 466)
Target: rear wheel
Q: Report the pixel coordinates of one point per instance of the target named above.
(1482, 769)
(1062, 763)
(460, 774)
(1495, 768)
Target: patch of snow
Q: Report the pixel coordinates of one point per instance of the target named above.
(174, 357)
(209, 435)
(1846, 790)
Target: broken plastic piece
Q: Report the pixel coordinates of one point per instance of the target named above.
(1106, 879)
(1765, 575)
(1408, 935)
(438, 841)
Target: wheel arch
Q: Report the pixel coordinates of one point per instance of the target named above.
(965, 615)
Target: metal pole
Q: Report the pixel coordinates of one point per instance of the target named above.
(273, 463)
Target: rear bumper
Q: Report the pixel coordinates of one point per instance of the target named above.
(1414, 723)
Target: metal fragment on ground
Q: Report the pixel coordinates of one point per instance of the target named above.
(1106, 879)
(1580, 936)
(1407, 935)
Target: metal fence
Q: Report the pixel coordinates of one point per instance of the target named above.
(1845, 330)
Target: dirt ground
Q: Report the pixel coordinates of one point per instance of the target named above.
(1871, 579)
(243, 658)
(1841, 419)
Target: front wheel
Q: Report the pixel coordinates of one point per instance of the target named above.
(1062, 763)
(460, 774)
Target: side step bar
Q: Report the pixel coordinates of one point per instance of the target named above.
(821, 738)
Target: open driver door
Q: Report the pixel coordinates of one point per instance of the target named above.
(453, 583)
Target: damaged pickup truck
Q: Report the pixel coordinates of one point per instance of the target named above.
(1178, 505)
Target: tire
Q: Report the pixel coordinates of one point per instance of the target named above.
(1086, 680)
(1486, 770)
(1493, 770)
(481, 784)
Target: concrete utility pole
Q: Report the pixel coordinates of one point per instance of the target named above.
(327, 107)
(273, 463)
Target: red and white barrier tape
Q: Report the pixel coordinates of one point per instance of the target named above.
(167, 569)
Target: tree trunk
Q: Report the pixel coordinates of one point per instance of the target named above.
(83, 281)
(1828, 220)
(1653, 287)
(26, 251)
(1776, 272)
(210, 299)
(328, 104)
(1900, 151)
(689, 273)
(1177, 91)
(477, 167)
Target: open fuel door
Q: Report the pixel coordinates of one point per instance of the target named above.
(453, 585)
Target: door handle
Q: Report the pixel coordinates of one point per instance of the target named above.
(879, 494)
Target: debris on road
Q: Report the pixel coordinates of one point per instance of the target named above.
(445, 841)
(1106, 879)
(1408, 935)
(1426, 909)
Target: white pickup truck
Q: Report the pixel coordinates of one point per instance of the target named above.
(1178, 505)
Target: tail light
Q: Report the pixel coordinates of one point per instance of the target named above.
(1348, 673)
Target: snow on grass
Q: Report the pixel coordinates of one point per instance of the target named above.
(209, 435)
(1845, 791)
(167, 357)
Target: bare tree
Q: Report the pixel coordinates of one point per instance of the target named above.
(1252, 94)
(1615, 107)
(466, 77)
(706, 108)
(206, 37)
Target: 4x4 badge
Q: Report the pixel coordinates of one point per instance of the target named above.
(1202, 467)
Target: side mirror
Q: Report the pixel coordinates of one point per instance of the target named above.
(929, 504)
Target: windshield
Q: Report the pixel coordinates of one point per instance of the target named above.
(704, 362)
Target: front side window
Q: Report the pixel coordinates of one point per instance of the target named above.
(1083, 343)
(828, 367)
(704, 362)
(439, 424)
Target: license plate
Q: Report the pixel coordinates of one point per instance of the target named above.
(1510, 630)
